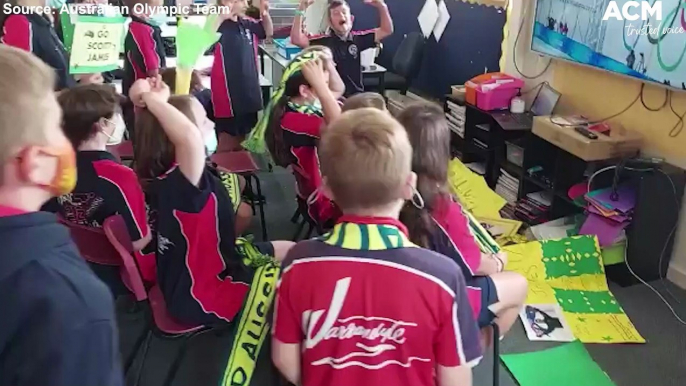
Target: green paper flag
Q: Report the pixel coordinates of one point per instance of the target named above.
(191, 43)
(93, 42)
(565, 365)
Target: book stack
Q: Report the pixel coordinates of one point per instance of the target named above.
(533, 209)
(456, 118)
(507, 186)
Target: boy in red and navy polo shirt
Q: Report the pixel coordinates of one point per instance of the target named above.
(92, 120)
(363, 305)
(236, 92)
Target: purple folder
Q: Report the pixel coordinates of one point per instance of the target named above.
(626, 198)
(606, 230)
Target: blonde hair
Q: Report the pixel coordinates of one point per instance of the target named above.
(366, 158)
(31, 83)
(365, 99)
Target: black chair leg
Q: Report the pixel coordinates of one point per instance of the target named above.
(298, 231)
(296, 216)
(310, 229)
(177, 362)
(260, 206)
(496, 354)
(146, 347)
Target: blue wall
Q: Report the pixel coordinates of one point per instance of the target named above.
(470, 42)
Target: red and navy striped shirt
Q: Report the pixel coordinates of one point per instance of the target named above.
(143, 50)
(368, 307)
(235, 75)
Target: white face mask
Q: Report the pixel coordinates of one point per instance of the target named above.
(119, 128)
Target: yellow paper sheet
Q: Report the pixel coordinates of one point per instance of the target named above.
(570, 272)
(473, 192)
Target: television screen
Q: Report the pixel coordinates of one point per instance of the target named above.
(649, 48)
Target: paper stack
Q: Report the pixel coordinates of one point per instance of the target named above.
(507, 186)
(533, 209)
(473, 192)
(609, 212)
(456, 118)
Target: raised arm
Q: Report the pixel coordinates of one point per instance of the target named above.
(298, 36)
(385, 22)
(267, 23)
(336, 84)
(187, 140)
(317, 78)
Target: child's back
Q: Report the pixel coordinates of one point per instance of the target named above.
(144, 52)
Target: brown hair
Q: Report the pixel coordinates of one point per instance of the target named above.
(83, 106)
(27, 90)
(366, 158)
(273, 135)
(429, 135)
(154, 152)
(333, 4)
(365, 99)
(169, 77)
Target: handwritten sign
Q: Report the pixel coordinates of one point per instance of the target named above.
(95, 44)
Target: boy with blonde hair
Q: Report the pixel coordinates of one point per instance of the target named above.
(365, 99)
(362, 304)
(58, 325)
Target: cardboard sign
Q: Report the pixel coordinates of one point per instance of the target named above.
(96, 42)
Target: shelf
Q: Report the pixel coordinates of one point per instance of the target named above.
(538, 183)
(516, 171)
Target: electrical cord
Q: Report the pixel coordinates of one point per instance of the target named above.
(662, 106)
(565, 124)
(679, 125)
(664, 247)
(514, 49)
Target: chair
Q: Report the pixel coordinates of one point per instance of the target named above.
(241, 162)
(305, 219)
(123, 151)
(406, 64)
(496, 353)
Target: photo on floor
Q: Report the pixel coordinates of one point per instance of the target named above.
(545, 322)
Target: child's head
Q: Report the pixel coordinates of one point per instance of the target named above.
(238, 7)
(366, 163)
(340, 19)
(169, 77)
(36, 159)
(154, 152)
(91, 116)
(365, 99)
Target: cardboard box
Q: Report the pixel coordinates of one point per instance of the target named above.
(620, 142)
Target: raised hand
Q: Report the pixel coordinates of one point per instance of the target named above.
(313, 71)
(159, 89)
(304, 4)
(138, 89)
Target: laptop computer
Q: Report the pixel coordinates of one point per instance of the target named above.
(544, 104)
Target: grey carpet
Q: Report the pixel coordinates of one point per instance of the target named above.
(659, 362)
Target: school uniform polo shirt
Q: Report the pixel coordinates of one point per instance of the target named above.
(346, 53)
(143, 52)
(34, 33)
(370, 308)
(202, 278)
(235, 71)
(58, 325)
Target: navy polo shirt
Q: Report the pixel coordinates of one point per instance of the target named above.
(235, 74)
(346, 53)
(34, 33)
(144, 52)
(58, 325)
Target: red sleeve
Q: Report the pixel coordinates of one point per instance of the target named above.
(130, 202)
(17, 32)
(300, 123)
(458, 341)
(450, 217)
(145, 42)
(286, 322)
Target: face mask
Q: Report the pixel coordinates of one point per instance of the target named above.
(211, 144)
(119, 128)
(158, 19)
(65, 175)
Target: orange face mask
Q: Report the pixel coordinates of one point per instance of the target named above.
(65, 176)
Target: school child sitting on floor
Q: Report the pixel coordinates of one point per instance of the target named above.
(363, 305)
(237, 96)
(58, 325)
(441, 225)
(203, 271)
(295, 124)
(92, 120)
(365, 99)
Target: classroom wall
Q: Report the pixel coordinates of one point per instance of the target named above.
(470, 44)
(595, 94)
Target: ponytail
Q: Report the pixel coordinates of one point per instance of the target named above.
(419, 222)
(274, 134)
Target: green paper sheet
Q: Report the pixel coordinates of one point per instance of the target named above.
(565, 365)
(191, 43)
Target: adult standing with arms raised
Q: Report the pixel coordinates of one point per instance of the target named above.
(346, 44)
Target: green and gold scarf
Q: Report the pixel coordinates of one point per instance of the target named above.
(255, 141)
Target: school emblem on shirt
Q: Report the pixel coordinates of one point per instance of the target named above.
(378, 338)
(352, 49)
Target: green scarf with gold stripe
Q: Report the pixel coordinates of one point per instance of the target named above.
(255, 141)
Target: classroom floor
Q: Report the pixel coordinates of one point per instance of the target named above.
(659, 362)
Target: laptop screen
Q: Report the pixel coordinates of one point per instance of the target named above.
(545, 101)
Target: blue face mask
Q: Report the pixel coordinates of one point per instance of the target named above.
(211, 144)
(158, 19)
